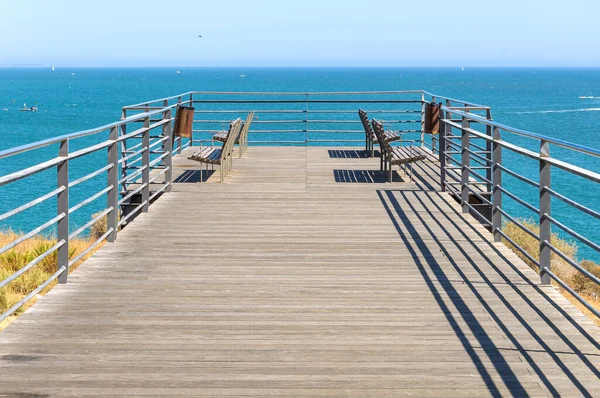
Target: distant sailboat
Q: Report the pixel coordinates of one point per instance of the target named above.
(178, 72)
(26, 109)
(53, 68)
(462, 68)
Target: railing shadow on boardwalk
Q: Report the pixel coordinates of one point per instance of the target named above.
(399, 215)
(364, 176)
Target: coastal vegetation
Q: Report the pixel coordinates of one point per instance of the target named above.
(572, 277)
(22, 254)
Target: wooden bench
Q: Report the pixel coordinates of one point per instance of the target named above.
(219, 155)
(371, 138)
(242, 140)
(397, 155)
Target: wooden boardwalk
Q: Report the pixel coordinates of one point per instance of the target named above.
(305, 274)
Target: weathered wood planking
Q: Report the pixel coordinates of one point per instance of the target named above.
(304, 274)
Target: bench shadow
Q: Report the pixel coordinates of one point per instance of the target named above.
(421, 216)
(192, 176)
(364, 176)
(350, 154)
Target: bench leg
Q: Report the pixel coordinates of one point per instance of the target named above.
(389, 173)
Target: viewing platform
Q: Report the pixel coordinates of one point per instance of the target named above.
(305, 273)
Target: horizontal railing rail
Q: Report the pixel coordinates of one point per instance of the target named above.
(139, 151)
(148, 172)
(301, 118)
(462, 145)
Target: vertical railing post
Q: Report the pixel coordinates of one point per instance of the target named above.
(179, 139)
(465, 162)
(442, 151)
(63, 208)
(434, 142)
(163, 146)
(124, 151)
(168, 162)
(497, 180)
(489, 131)
(146, 165)
(545, 212)
(422, 119)
(306, 122)
(112, 197)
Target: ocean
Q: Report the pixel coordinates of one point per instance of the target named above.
(561, 103)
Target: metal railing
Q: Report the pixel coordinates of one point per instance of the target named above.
(472, 150)
(149, 169)
(140, 147)
(299, 118)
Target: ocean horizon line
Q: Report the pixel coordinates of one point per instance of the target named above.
(298, 67)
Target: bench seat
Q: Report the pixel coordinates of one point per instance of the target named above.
(406, 154)
(208, 155)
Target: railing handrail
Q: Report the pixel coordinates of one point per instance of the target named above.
(135, 162)
(78, 134)
(524, 133)
(455, 100)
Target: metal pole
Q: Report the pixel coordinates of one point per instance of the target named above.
(179, 139)
(489, 132)
(422, 119)
(123, 151)
(496, 192)
(146, 165)
(306, 123)
(433, 136)
(442, 152)
(113, 176)
(63, 208)
(465, 162)
(545, 211)
(168, 162)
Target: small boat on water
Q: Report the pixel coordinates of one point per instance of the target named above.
(30, 109)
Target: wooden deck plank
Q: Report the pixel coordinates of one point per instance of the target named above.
(319, 280)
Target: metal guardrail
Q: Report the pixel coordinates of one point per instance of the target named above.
(472, 165)
(300, 118)
(471, 161)
(146, 176)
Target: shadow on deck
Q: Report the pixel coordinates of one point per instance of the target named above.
(288, 280)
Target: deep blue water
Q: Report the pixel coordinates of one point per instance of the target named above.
(545, 101)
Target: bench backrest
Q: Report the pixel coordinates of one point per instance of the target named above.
(232, 136)
(365, 122)
(379, 133)
(246, 126)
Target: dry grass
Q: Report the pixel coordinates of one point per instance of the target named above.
(21, 255)
(576, 280)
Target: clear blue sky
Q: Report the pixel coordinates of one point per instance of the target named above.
(300, 33)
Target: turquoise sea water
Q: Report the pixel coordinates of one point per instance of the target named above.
(545, 101)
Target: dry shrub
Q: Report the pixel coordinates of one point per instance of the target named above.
(532, 246)
(24, 253)
(100, 228)
(571, 276)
